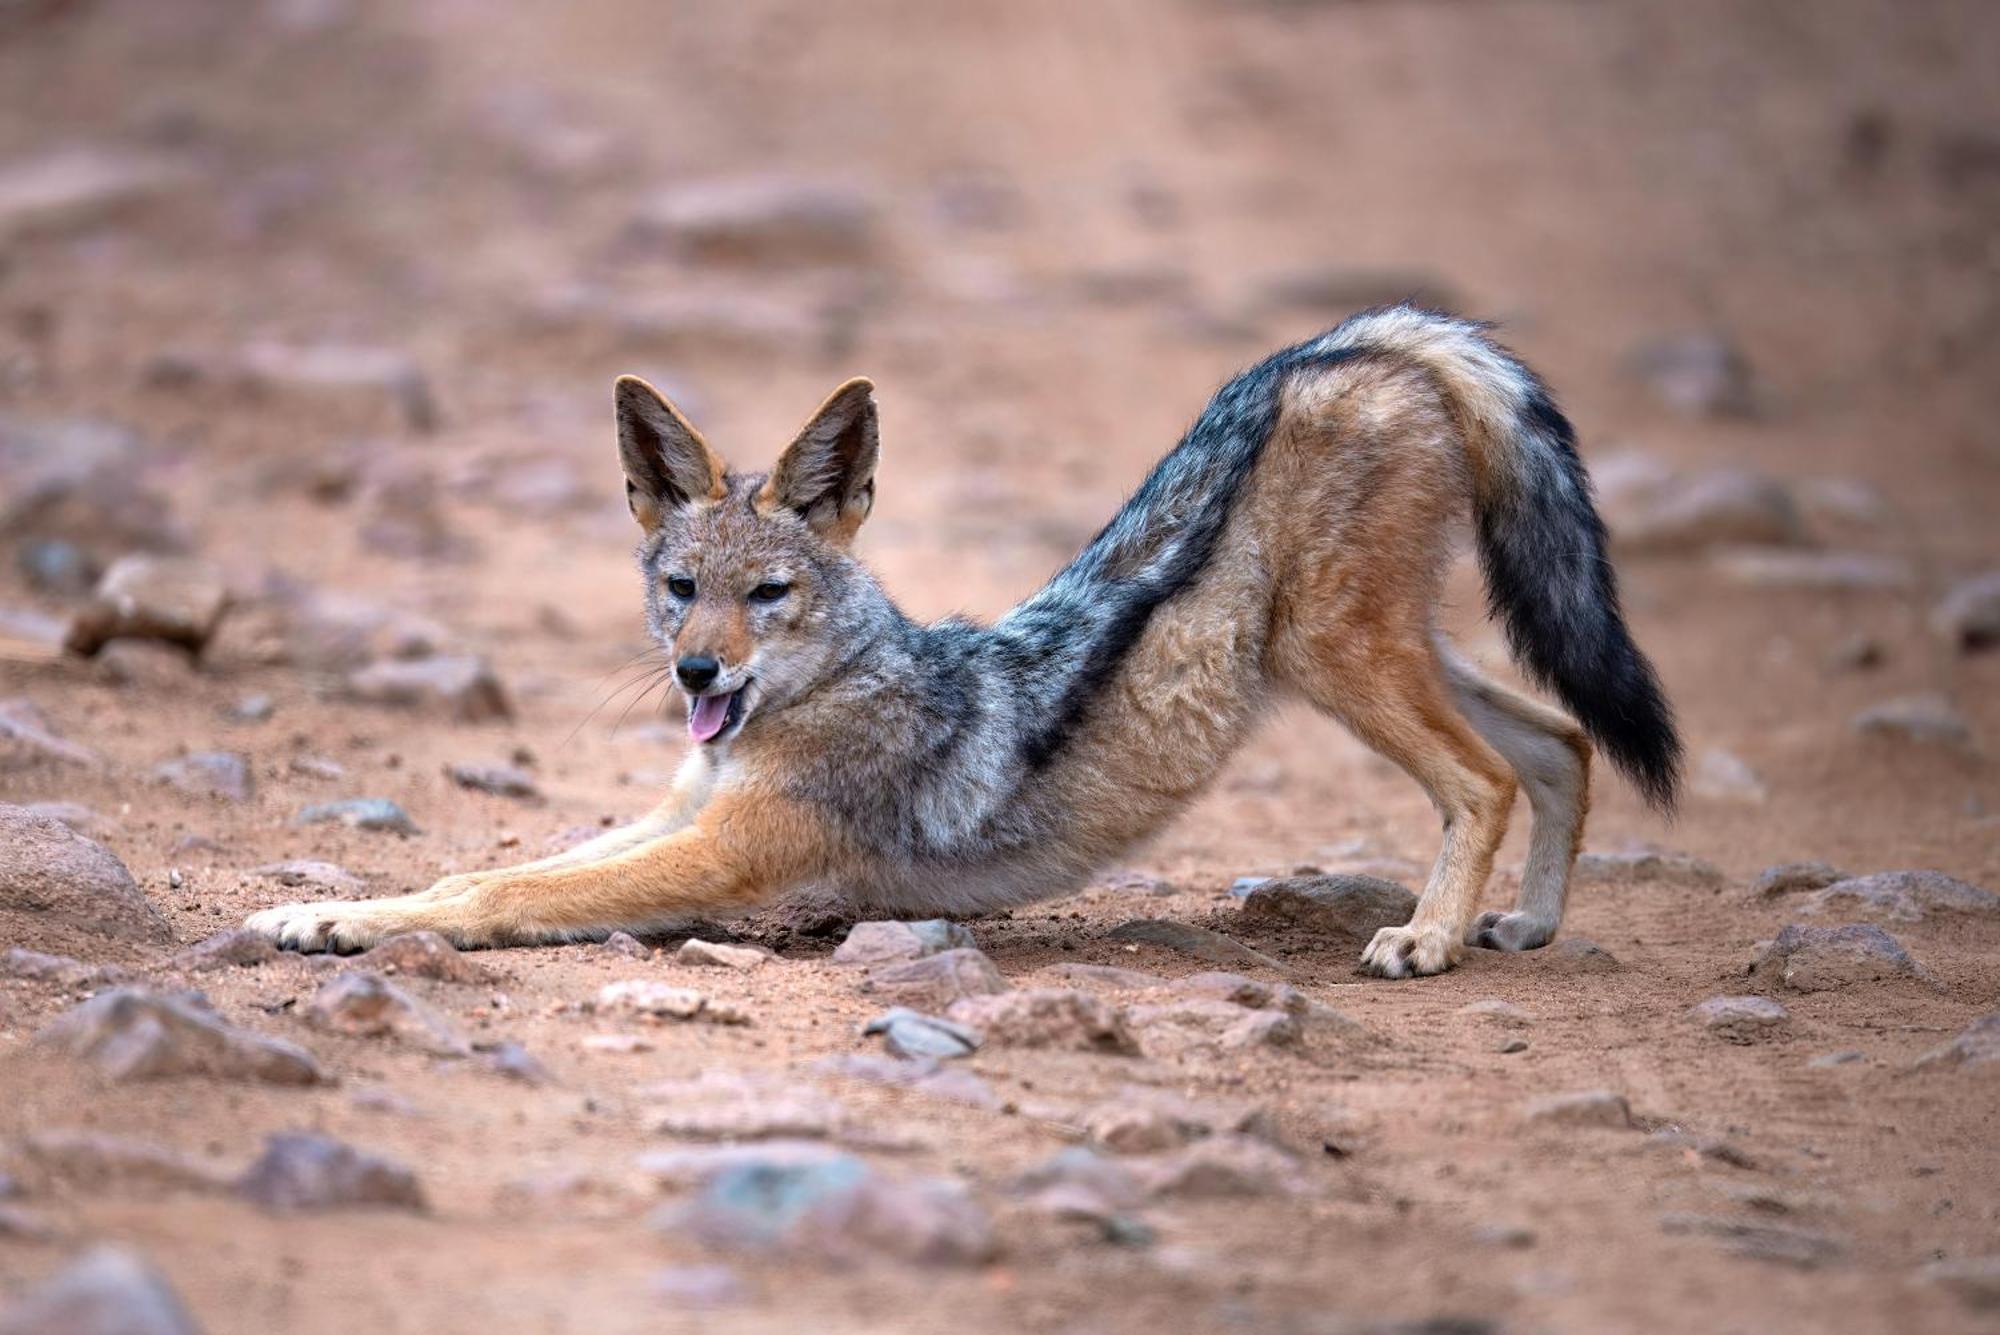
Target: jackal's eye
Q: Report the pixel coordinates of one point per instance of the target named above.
(680, 586)
(769, 591)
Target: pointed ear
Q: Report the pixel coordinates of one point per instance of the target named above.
(667, 463)
(827, 475)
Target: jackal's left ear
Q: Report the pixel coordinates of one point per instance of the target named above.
(827, 475)
(667, 463)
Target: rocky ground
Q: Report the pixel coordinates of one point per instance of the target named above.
(315, 583)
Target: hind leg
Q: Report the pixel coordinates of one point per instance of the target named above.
(1391, 692)
(1551, 757)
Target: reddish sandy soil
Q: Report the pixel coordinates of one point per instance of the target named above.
(1081, 205)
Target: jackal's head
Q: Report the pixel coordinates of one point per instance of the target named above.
(749, 584)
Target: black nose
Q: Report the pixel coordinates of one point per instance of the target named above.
(696, 671)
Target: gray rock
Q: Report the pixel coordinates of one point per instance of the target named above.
(1973, 1280)
(132, 1033)
(1793, 877)
(698, 1287)
(1206, 1023)
(51, 876)
(1115, 1182)
(514, 1062)
(359, 813)
(369, 377)
(221, 774)
(1927, 718)
(77, 816)
(175, 599)
(463, 688)
(1844, 1057)
(765, 219)
(1741, 1019)
(91, 1161)
(1902, 896)
(1590, 1107)
(1351, 907)
(82, 482)
(650, 997)
(727, 1105)
(1647, 867)
(1197, 942)
(884, 942)
(303, 1171)
(236, 948)
(1968, 616)
(1132, 1127)
(1509, 1046)
(1054, 1018)
(1576, 954)
(337, 882)
(1110, 975)
(719, 955)
(424, 955)
(20, 1224)
(149, 664)
(253, 708)
(936, 981)
(365, 1005)
(499, 780)
(625, 946)
(686, 1167)
(1784, 568)
(1723, 776)
(27, 738)
(59, 567)
(1758, 1241)
(69, 189)
(1497, 1011)
(1977, 1045)
(906, 1033)
(1714, 508)
(923, 1075)
(1818, 959)
(15, 962)
(107, 1291)
(1220, 1167)
(1856, 653)
(1697, 374)
(1238, 990)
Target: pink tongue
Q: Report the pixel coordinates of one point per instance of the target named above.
(708, 716)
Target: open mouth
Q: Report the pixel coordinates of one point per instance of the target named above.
(714, 716)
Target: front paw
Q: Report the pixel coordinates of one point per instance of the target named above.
(338, 926)
(1413, 951)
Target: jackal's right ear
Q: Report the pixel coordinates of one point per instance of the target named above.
(667, 463)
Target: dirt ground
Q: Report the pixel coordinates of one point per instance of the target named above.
(1088, 216)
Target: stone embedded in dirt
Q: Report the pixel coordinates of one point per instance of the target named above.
(337, 882)
(646, 996)
(1792, 877)
(222, 774)
(719, 955)
(108, 1291)
(133, 1033)
(1709, 1148)
(359, 813)
(1204, 1022)
(332, 631)
(1741, 1019)
(1902, 896)
(885, 942)
(685, 1167)
(69, 189)
(499, 780)
(934, 982)
(1235, 988)
(1134, 1127)
(149, 664)
(1785, 568)
(52, 876)
(624, 945)
(1755, 1240)
(1713, 508)
(35, 966)
(253, 708)
(1977, 1045)
(1498, 1011)
(92, 1161)
(1723, 776)
(26, 737)
(1647, 867)
(1576, 954)
(1843, 1057)
(1110, 975)
(353, 372)
(1973, 1280)
(923, 1075)
(622, 1044)
(1130, 882)
(727, 1105)
(907, 1033)
(1697, 374)
(176, 599)
(1198, 942)
(462, 688)
(839, 1211)
(1818, 959)
(1968, 616)
(366, 1005)
(763, 219)
(1838, 504)
(1856, 653)
(81, 482)
(1220, 1167)
(1353, 907)
(424, 955)
(20, 1224)
(235, 948)
(1056, 1018)
(302, 1171)
(1590, 1107)
(1927, 718)
(515, 1062)
(1116, 1182)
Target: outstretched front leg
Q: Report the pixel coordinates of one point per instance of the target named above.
(739, 849)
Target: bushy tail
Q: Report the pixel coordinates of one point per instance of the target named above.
(1541, 542)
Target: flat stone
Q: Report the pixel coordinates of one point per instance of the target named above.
(1238, 990)
(1647, 867)
(624, 945)
(1968, 616)
(16, 962)
(511, 1061)
(499, 780)
(108, 1291)
(1052, 1018)
(1712, 508)
(1793, 877)
(1902, 896)
(26, 737)
(1350, 907)
(235, 948)
(337, 882)
(1818, 959)
(1973, 1280)
(1741, 1019)
(304, 1171)
(222, 774)
(1109, 975)
(1198, 942)
(334, 371)
(1206, 1023)
(1220, 1167)
(1131, 1127)
(934, 982)
(1757, 1241)
(697, 1287)
(922, 1075)
(366, 1005)
(719, 955)
(723, 1105)
(154, 665)
(424, 955)
(176, 599)
(1787, 569)
(463, 688)
(1576, 954)
(1927, 718)
(1498, 1012)
(1590, 1107)
(651, 998)
(1115, 1182)
(761, 219)
(885, 942)
(1844, 1057)
(906, 1033)
(359, 813)
(92, 1161)
(51, 876)
(132, 1033)
(1698, 373)
(76, 815)
(1723, 776)
(1977, 1045)
(69, 189)
(686, 1167)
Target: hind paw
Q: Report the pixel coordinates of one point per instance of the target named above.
(1409, 952)
(1510, 931)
